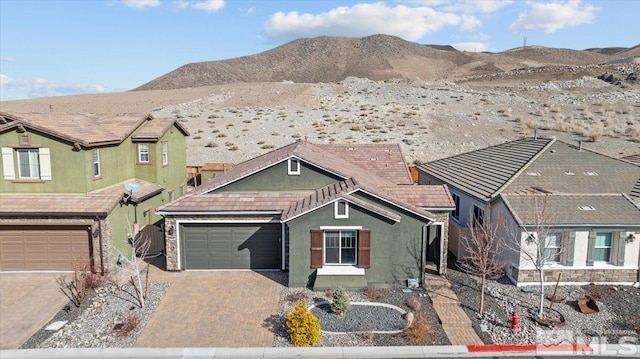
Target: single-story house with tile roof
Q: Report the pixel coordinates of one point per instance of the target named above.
(62, 193)
(591, 203)
(329, 214)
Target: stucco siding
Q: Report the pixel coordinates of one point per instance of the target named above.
(275, 178)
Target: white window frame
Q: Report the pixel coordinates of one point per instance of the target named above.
(456, 202)
(555, 245)
(165, 153)
(141, 152)
(596, 247)
(324, 247)
(336, 209)
(29, 151)
(97, 170)
(290, 171)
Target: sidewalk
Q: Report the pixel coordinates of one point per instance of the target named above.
(454, 320)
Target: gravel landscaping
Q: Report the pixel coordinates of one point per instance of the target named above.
(92, 324)
(618, 308)
(394, 296)
(361, 318)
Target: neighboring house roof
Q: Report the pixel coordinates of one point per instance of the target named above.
(392, 185)
(232, 202)
(91, 130)
(52, 205)
(485, 172)
(575, 209)
(632, 158)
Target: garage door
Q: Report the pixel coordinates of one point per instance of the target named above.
(42, 247)
(237, 246)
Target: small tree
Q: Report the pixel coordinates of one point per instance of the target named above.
(133, 264)
(339, 302)
(482, 247)
(537, 220)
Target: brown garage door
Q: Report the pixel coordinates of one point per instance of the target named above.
(24, 248)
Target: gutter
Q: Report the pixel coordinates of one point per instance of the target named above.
(223, 213)
(54, 214)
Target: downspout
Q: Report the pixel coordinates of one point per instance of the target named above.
(100, 244)
(423, 258)
(283, 241)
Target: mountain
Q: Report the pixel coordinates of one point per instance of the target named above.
(377, 57)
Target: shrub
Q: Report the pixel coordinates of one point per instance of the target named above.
(374, 293)
(303, 327)
(128, 325)
(93, 280)
(414, 304)
(339, 302)
(420, 332)
(298, 296)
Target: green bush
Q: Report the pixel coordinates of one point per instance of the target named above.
(303, 327)
(339, 302)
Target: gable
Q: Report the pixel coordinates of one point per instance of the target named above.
(277, 178)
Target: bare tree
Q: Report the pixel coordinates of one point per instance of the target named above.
(537, 221)
(133, 264)
(482, 247)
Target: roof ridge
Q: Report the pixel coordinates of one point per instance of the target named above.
(523, 168)
(600, 153)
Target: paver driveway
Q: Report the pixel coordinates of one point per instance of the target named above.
(27, 302)
(213, 309)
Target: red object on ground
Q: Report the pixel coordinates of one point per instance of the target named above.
(515, 322)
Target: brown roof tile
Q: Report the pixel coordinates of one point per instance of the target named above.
(57, 205)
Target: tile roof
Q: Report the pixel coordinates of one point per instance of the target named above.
(384, 160)
(92, 129)
(89, 205)
(429, 197)
(632, 158)
(565, 209)
(483, 173)
(563, 168)
(227, 202)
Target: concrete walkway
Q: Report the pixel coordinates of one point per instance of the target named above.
(455, 322)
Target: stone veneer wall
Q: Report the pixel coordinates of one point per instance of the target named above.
(444, 218)
(596, 275)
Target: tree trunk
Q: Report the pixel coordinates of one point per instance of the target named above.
(541, 309)
(482, 285)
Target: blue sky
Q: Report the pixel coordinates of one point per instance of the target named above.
(52, 48)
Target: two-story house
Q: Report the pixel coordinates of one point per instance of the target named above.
(330, 214)
(585, 204)
(77, 187)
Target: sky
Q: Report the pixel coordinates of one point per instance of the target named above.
(54, 48)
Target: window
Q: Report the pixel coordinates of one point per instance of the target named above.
(28, 163)
(96, 162)
(478, 216)
(341, 209)
(171, 195)
(552, 247)
(165, 153)
(602, 249)
(293, 166)
(340, 247)
(143, 152)
(456, 212)
(182, 190)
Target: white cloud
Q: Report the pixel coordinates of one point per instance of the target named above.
(180, 5)
(410, 23)
(553, 16)
(471, 46)
(469, 22)
(38, 87)
(140, 4)
(208, 5)
(468, 6)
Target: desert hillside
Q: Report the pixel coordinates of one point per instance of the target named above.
(378, 57)
(432, 100)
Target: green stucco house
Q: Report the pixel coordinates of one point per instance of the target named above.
(329, 214)
(76, 187)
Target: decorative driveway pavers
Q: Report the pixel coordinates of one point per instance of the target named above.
(213, 309)
(27, 302)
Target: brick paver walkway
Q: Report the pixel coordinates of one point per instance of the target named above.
(28, 301)
(455, 322)
(213, 309)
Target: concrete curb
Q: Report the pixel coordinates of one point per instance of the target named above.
(448, 351)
